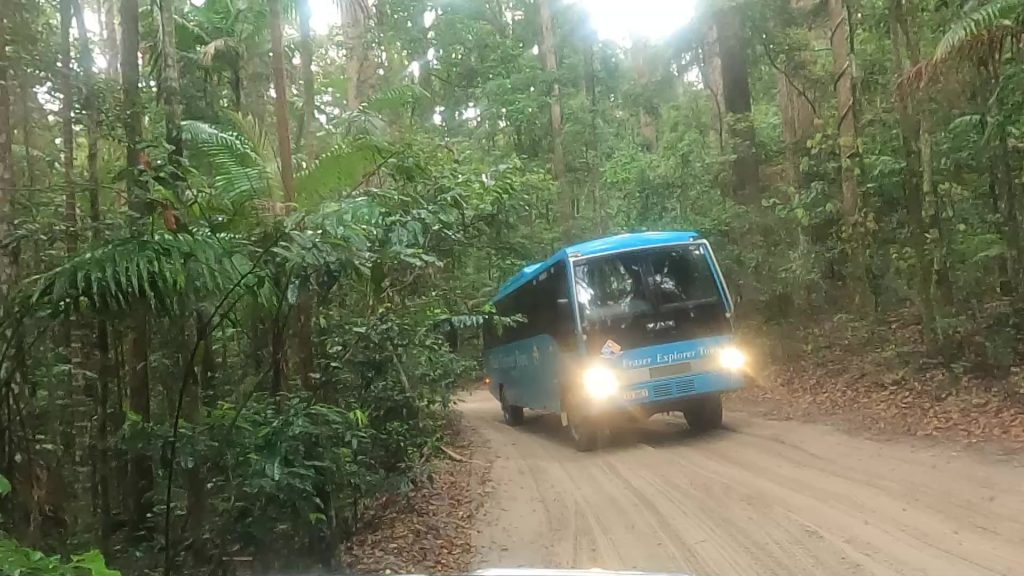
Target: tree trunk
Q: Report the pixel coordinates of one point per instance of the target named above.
(140, 467)
(7, 182)
(797, 126)
(795, 104)
(67, 464)
(304, 312)
(566, 210)
(593, 138)
(354, 14)
(102, 346)
(192, 409)
(305, 134)
(1008, 204)
(89, 103)
(170, 85)
(910, 132)
(68, 130)
(940, 262)
(640, 53)
(278, 356)
(711, 77)
(853, 232)
(284, 144)
(113, 47)
(732, 49)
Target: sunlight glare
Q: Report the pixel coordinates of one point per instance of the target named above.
(323, 15)
(620, 21)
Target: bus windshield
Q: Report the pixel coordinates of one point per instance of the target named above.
(649, 297)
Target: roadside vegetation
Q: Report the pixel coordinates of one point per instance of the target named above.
(245, 245)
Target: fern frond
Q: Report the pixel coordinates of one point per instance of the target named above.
(211, 139)
(239, 170)
(337, 171)
(362, 122)
(154, 272)
(260, 141)
(395, 98)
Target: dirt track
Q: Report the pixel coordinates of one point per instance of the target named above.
(758, 498)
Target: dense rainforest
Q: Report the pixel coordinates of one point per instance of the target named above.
(245, 245)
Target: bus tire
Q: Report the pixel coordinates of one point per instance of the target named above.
(513, 415)
(584, 434)
(703, 414)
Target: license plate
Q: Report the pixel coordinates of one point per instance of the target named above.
(635, 394)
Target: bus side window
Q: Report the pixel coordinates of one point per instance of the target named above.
(552, 286)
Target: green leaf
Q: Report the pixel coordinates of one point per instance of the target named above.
(5, 486)
(93, 563)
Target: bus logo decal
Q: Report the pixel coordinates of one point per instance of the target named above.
(611, 349)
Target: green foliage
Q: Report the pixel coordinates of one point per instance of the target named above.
(17, 560)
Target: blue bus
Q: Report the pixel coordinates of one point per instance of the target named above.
(626, 326)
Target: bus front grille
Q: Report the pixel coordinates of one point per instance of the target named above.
(673, 387)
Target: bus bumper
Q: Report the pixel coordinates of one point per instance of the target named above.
(669, 394)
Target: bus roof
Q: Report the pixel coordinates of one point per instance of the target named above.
(595, 248)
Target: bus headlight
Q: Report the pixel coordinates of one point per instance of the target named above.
(732, 358)
(600, 382)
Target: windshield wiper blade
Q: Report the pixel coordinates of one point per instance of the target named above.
(690, 304)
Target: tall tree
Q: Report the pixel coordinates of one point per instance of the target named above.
(284, 156)
(101, 452)
(68, 129)
(170, 86)
(711, 77)
(305, 133)
(641, 54)
(732, 37)
(593, 136)
(112, 48)
(304, 346)
(284, 143)
(73, 384)
(354, 14)
(7, 181)
(140, 482)
(912, 124)
(843, 70)
(796, 106)
(566, 208)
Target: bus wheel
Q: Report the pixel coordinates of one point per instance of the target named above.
(703, 414)
(584, 433)
(513, 415)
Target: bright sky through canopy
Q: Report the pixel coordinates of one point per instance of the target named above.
(616, 20)
(622, 20)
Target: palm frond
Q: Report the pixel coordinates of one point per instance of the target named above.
(220, 46)
(354, 12)
(981, 37)
(999, 15)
